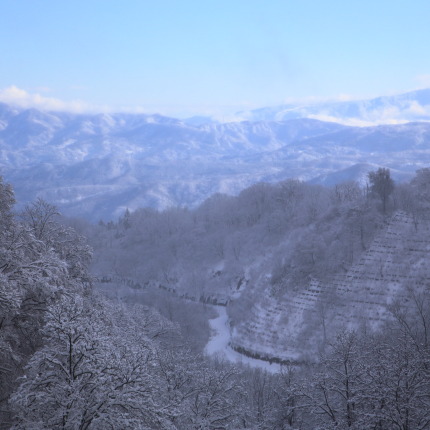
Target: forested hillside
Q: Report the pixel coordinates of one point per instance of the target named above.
(291, 256)
(289, 223)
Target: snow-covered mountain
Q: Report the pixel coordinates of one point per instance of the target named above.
(411, 106)
(99, 165)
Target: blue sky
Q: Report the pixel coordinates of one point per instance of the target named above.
(200, 57)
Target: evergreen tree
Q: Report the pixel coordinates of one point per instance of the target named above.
(381, 185)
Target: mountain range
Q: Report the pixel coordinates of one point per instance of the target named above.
(407, 107)
(96, 166)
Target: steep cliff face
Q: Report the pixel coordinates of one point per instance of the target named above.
(390, 271)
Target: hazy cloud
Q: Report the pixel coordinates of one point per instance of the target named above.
(354, 122)
(416, 109)
(22, 98)
(400, 113)
(389, 114)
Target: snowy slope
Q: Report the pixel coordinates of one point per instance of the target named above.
(294, 327)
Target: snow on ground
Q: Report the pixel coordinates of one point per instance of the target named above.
(218, 344)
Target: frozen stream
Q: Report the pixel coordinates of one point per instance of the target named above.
(220, 338)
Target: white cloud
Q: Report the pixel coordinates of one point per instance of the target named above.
(389, 114)
(354, 122)
(405, 112)
(18, 97)
(416, 109)
(386, 116)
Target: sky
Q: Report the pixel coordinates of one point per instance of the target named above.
(205, 57)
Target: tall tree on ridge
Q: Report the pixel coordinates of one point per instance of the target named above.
(382, 185)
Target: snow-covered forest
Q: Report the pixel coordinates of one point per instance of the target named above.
(105, 326)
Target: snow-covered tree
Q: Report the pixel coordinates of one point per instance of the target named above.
(395, 392)
(95, 371)
(215, 402)
(331, 393)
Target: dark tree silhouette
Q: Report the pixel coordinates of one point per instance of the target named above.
(381, 185)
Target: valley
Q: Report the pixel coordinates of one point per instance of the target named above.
(293, 328)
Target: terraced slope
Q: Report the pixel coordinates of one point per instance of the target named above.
(292, 328)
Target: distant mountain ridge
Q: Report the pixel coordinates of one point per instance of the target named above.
(407, 107)
(96, 166)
